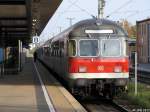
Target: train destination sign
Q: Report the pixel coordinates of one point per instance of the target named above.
(99, 31)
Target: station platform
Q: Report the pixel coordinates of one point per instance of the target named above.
(35, 90)
(144, 67)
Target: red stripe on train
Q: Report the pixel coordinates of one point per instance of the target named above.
(98, 65)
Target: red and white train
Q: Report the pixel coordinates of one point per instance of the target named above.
(91, 55)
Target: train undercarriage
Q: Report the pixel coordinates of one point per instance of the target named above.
(107, 88)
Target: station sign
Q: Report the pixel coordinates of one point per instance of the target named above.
(35, 40)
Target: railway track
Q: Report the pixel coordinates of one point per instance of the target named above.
(95, 104)
(143, 76)
(101, 105)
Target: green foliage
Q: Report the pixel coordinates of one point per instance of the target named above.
(142, 99)
(131, 29)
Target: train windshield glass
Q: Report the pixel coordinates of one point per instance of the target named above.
(111, 48)
(88, 47)
(72, 48)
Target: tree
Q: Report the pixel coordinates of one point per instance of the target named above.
(131, 29)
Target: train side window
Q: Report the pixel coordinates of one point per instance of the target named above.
(46, 51)
(72, 48)
(52, 49)
(56, 48)
(61, 48)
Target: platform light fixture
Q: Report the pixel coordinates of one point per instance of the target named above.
(34, 20)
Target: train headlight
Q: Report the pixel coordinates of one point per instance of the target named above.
(82, 69)
(118, 69)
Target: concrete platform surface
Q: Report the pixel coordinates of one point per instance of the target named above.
(24, 92)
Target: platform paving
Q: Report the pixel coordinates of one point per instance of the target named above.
(62, 100)
(23, 92)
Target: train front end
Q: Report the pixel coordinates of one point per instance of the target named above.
(98, 58)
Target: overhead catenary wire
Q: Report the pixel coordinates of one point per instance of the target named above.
(121, 7)
(127, 11)
(72, 3)
(57, 19)
(63, 12)
(137, 12)
(132, 13)
(82, 9)
(70, 20)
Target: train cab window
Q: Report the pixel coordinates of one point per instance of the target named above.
(111, 48)
(72, 48)
(88, 47)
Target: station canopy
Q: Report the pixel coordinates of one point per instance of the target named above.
(22, 19)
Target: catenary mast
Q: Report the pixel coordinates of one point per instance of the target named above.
(101, 5)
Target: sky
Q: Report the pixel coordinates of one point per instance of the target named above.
(132, 10)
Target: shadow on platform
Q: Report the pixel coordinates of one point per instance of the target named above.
(28, 76)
